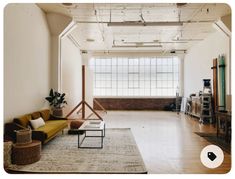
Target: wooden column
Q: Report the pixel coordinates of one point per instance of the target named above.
(83, 91)
(215, 91)
(83, 101)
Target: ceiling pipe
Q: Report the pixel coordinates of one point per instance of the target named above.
(140, 23)
(159, 42)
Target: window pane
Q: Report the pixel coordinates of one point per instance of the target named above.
(144, 76)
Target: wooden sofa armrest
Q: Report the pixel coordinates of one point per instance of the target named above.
(9, 130)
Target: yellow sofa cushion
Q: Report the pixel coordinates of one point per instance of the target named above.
(52, 127)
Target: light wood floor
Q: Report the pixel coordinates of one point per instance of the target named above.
(167, 141)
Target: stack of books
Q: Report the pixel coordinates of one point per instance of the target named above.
(93, 124)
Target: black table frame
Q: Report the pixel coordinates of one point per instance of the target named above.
(85, 136)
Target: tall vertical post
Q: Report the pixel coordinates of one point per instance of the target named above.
(83, 91)
(83, 101)
(215, 84)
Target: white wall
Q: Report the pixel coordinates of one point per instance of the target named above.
(26, 59)
(54, 62)
(199, 60)
(57, 23)
(71, 73)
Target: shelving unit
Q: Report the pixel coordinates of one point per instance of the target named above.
(177, 103)
(206, 103)
(193, 107)
(206, 108)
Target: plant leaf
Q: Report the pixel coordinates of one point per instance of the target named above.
(51, 93)
(62, 96)
(56, 99)
(49, 99)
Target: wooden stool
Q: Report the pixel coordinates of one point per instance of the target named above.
(74, 125)
(26, 154)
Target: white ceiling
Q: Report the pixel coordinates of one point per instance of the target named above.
(93, 18)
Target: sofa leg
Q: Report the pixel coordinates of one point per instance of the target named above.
(63, 132)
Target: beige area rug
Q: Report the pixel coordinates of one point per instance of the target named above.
(120, 154)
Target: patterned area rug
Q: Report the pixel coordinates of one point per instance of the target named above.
(120, 154)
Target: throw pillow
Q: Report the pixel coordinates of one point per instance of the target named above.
(36, 123)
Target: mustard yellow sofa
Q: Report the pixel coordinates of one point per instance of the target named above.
(53, 125)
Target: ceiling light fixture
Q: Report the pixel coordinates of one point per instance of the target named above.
(182, 40)
(135, 46)
(67, 4)
(90, 40)
(178, 51)
(139, 43)
(180, 4)
(157, 42)
(126, 42)
(139, 23)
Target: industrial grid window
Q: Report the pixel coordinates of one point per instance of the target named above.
(144, 76)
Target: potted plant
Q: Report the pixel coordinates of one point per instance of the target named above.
(57, 101)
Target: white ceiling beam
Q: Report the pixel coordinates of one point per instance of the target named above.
(221, 27)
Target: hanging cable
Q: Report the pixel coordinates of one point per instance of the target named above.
(110, 13)
(97, 21)
(189, 19)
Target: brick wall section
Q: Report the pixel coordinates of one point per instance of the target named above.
(134, 103)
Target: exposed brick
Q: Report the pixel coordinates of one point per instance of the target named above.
(134, 103)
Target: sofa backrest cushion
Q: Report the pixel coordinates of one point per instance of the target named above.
(23, 120)
(45, 114)
(36, 115)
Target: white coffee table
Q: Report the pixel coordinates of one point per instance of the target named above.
(92, 125)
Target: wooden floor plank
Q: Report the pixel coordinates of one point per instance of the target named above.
(167, 141)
